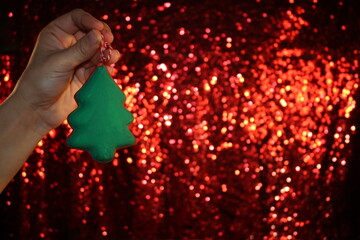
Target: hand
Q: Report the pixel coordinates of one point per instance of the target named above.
(66, 53)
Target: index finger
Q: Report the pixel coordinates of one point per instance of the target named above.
(77, 20)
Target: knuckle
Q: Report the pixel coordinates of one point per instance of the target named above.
(42, 33)
(77, 11)
(82, 50)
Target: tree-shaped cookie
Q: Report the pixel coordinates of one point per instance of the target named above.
(100, 123)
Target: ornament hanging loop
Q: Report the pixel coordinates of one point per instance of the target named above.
(105, 51)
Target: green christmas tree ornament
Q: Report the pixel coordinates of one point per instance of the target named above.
(100, 123)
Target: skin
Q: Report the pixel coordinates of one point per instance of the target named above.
(65, 54)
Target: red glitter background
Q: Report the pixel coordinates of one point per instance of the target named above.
(245, 118)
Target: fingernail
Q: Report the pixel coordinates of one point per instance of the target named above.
(93, 37)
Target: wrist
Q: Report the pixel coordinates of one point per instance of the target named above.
(27, 115)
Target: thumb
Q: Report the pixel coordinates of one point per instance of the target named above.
(83, 50)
